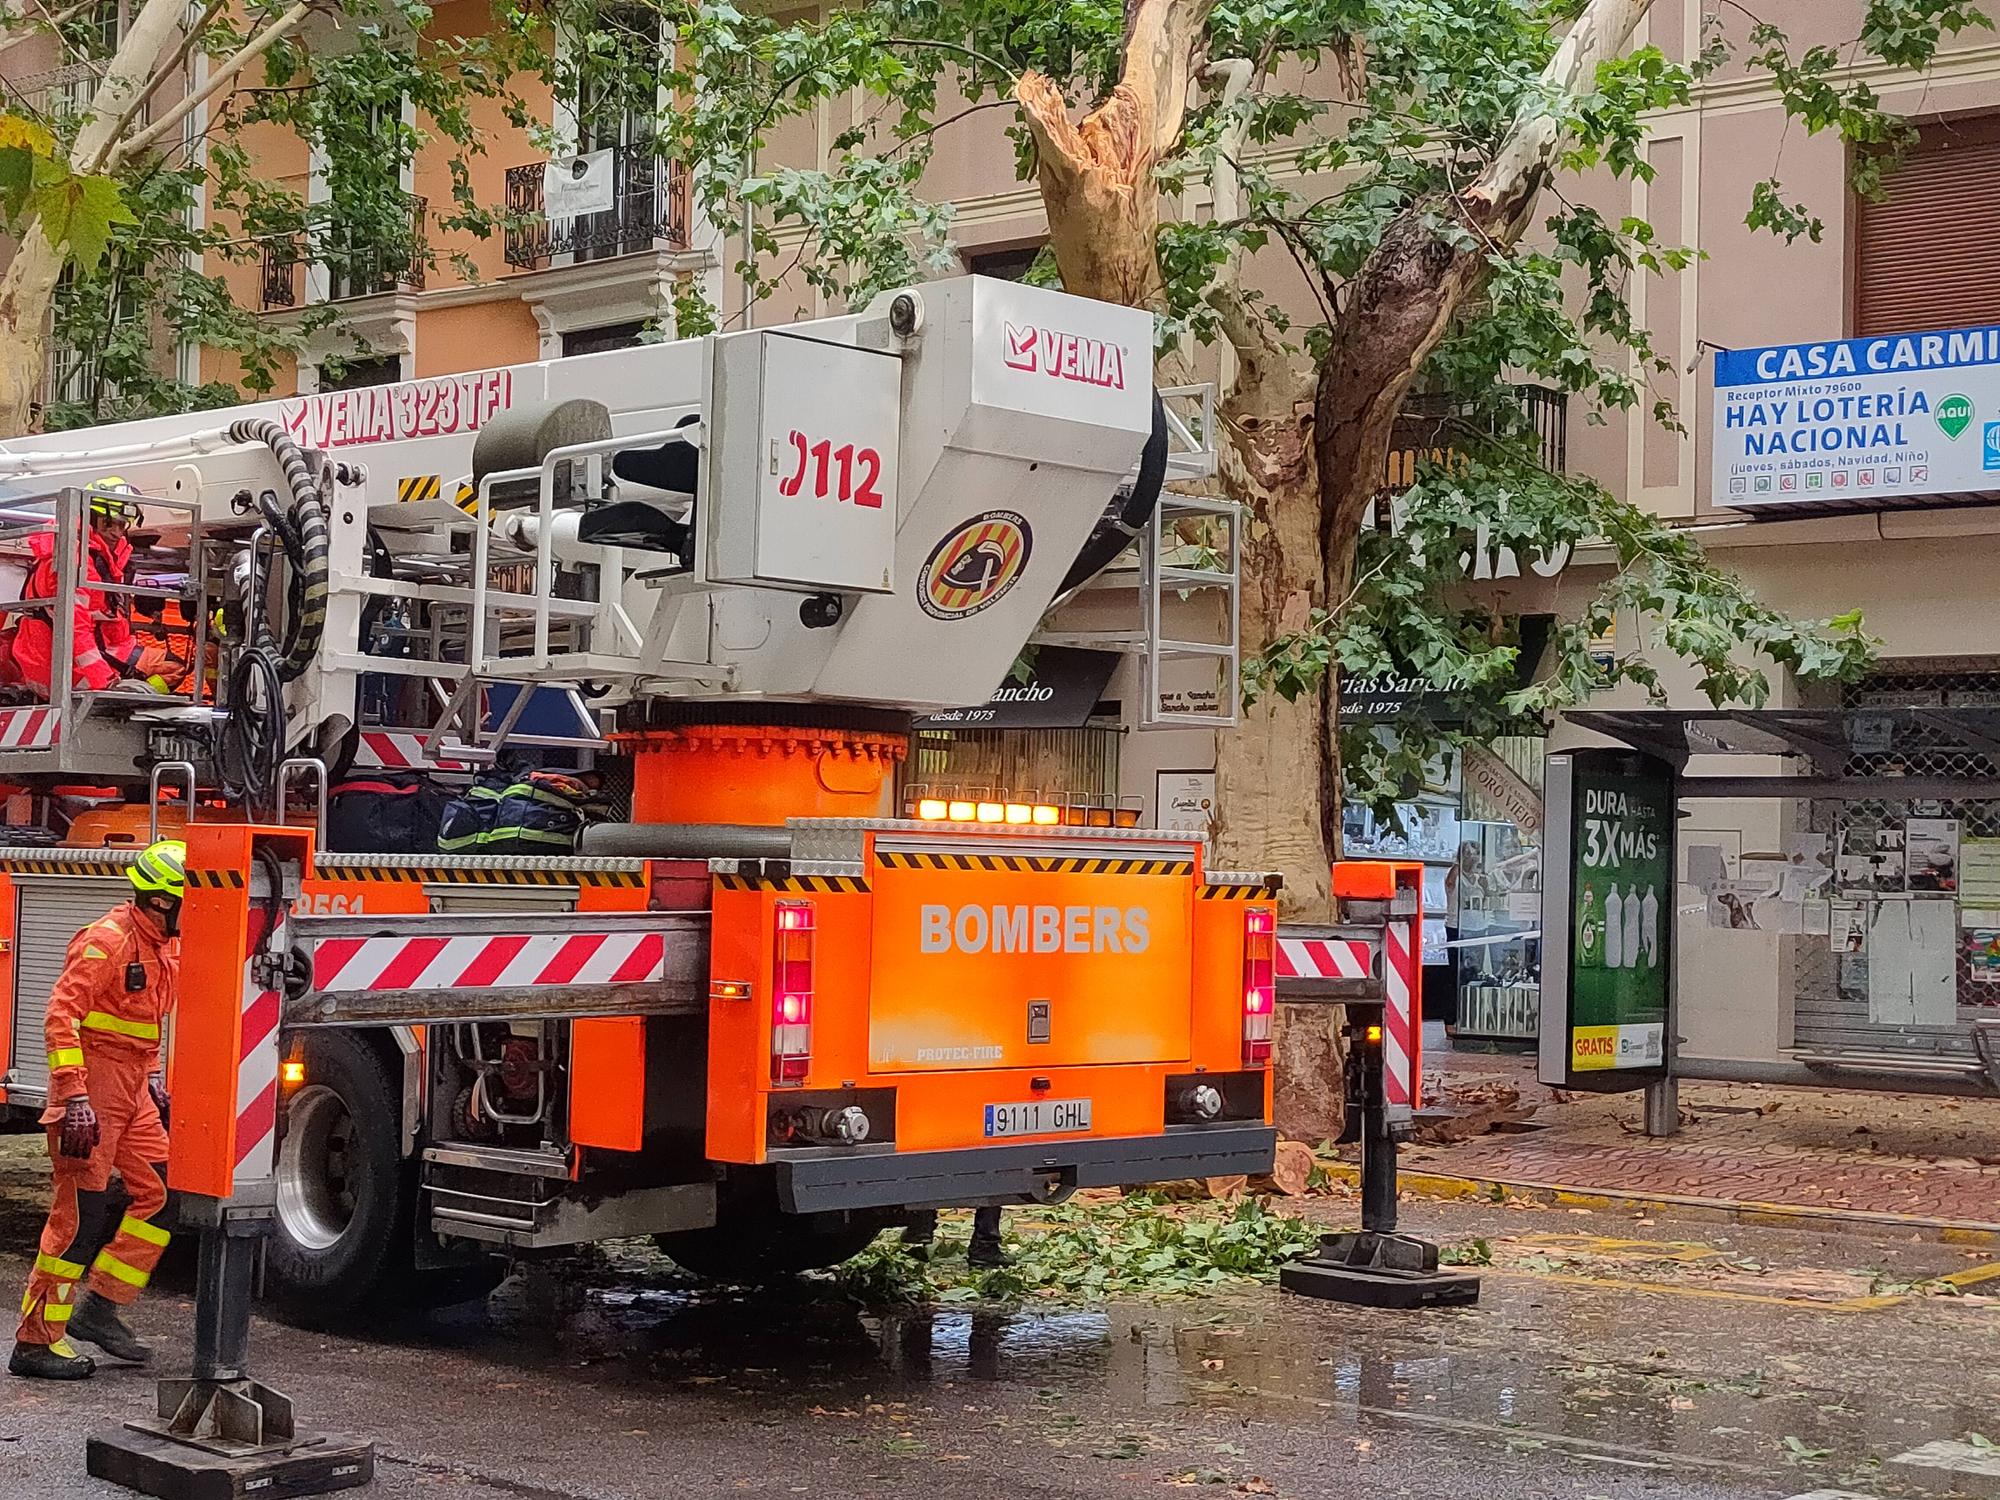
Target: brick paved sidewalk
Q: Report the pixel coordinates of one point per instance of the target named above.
(1816, 1149)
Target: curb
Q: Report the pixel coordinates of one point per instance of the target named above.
(1724, 1210)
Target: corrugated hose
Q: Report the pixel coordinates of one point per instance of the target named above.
(303, 532)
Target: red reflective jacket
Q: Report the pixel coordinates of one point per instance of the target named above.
(104, 645)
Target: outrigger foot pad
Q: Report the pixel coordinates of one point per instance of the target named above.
(1378, 1270)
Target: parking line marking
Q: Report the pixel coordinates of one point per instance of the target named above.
(1709, 1293)
(1972, 1275)
(1961, 1458)
(1582, 1447)
(1833, 1495)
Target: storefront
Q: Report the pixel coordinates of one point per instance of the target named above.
(1843, 926)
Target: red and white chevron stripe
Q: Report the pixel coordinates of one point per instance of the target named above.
(1402, 1028)
(487, 961)
(256, 1073)
(1315, 958)
(28, 728)
(400, 750)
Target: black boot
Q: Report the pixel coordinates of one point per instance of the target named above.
(920, 1233)
(984, 1253)
(50, 1362)
(96, 1321)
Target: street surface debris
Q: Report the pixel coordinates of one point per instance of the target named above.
(1612, 1355)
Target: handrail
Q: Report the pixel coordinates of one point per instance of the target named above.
(286, 769)
(186, 768)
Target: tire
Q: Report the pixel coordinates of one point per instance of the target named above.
(752, 1250)
(346, 1197)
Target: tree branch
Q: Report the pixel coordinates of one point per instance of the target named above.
(1096, 174)
(190, 38)
(1499, 201)
(220, 78)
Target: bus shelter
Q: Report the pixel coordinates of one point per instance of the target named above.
(1783, 895)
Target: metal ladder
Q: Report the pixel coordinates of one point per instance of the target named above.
(1158, 574)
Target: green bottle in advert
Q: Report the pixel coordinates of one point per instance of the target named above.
(1590, 932)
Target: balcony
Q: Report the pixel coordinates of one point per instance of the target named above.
(1427, 426)
(354, 267)
(648, 211)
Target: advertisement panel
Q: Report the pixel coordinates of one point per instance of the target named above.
(1608, 920)
(1016, 967)
(1859, 423)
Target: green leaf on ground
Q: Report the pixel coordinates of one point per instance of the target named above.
(1141, 1244)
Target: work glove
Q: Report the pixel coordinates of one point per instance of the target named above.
(80, 1130)
(156, 1085)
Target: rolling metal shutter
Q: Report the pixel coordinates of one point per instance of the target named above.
(48, 913)
(1832, 1013)
(1928, 255)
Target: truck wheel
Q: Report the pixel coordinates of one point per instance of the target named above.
(769, 1247)
(345, 1194)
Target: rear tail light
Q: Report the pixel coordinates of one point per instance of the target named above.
(791, 992)
(1260, 973)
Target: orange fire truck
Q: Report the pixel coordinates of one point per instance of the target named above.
(770, 1005)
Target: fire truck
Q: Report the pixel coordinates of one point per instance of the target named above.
(771, 1005)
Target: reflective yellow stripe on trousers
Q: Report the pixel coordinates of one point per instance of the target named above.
(98, 1020)
(52, 1312)
(65, 1270)
(140, 1229)
(130, 1275)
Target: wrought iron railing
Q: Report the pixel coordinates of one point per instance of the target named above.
(355, 266)
(1434, 428)
(648, 210)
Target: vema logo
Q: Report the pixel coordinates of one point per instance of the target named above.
(1065, 356)
(1993, 445)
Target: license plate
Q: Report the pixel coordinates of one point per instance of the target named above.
(1038, 1117)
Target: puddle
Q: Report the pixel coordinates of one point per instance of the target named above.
(1797, 1393)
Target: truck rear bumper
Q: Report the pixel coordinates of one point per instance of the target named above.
(819, 1180)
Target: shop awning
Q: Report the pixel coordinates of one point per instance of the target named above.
(1839, 753)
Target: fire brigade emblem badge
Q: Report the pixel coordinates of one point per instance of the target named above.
(974, 565)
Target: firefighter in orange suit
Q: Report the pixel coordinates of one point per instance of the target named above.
(106, 1093)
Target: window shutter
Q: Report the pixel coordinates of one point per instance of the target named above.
(1928, 255)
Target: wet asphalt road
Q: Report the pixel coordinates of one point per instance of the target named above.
(1610, 1357)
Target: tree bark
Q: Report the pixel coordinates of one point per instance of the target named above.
(27, 292)
(1391, 316)
(1406, 293)
(1267, 775)
(1268, 786)
(1096, 174)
